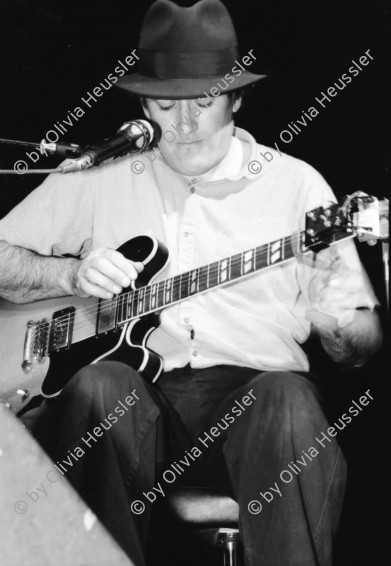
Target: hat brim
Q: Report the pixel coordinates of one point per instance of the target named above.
(196, 87)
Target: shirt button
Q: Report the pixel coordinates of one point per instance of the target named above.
(192, 189)
(186, 320)
(195, 353)
(187, 234)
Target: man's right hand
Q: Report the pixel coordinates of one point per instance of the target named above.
(104, 273)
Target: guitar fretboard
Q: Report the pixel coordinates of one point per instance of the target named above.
(161, 294)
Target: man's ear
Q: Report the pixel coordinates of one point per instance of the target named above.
(237, 104)
(144, 105)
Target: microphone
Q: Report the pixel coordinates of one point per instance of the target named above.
(132, 137)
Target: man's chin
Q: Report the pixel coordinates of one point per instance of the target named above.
(189, 168)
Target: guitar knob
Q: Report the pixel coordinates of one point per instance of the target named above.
(326, 221)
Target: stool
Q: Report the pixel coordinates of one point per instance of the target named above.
(203, 509)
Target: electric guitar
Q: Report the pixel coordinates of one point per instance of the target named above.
(44, 344)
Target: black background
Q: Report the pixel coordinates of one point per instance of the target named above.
(52, 53)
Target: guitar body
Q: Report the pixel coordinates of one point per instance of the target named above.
(126, 343)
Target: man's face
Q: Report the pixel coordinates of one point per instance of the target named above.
(196, 133)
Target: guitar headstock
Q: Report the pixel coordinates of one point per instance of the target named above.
(359, 215)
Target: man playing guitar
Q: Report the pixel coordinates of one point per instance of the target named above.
(216, 341)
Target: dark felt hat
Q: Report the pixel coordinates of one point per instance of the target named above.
(186, 52)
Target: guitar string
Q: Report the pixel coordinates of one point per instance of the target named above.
(108, 304)
(118, 301)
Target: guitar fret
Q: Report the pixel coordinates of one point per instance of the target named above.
(176, 286)
(168, 291)
(213, 274)
(261, 258)
(133, 307)
(153, 302)
(193, 281)
(129, 305)
(180, 286)
(119, 309)
(185, 279)
(121, 305)
(140, 301)
(248, 261)
(122, 308)
(147, 298)
(287, 248)
(275, 252)
(236, 266)
(160, 294)
(223, 270)
(203, 278)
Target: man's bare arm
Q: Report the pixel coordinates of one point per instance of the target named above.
(26, 276)
(356, 342)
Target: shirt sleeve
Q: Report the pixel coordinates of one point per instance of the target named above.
(54, 219)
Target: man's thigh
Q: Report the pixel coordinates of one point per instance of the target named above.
(265, 411)
(99, 390)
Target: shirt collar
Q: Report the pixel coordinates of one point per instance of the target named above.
(231, 167)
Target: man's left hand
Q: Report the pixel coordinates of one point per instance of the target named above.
(336, 297)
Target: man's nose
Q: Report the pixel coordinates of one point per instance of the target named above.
(187, 122)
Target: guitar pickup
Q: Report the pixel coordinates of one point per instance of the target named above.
(61, 329)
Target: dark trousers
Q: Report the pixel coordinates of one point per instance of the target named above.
(269, 441)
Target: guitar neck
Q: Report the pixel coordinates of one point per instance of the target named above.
(157, 296)
(324, 227)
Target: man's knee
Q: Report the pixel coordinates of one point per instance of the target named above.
(107, 380)
(282, 384)
(287, 393)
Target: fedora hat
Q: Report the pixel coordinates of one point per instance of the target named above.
(188, 52)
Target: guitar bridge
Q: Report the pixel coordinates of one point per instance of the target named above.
(35, 343)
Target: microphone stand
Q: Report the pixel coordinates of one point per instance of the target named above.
(386, 271)
(61, 149)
